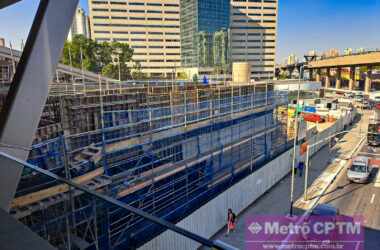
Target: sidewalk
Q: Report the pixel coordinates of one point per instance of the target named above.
(277, 200)
(350, 144)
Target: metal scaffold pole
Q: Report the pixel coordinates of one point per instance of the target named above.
(69, 205)
(104, 152)
(82, 69)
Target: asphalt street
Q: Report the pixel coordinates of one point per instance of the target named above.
(350, 198)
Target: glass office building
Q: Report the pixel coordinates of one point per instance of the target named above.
(204, 27)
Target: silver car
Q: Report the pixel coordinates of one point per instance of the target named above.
(359, 171)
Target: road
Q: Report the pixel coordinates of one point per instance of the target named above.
(276, 200)
(351, 199)
(359, 199)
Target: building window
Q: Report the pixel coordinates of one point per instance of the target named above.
(137, 11)
(118, 17)
(98, 9)
(136, 18)
(101, 32)
(154, 4)
(154, 11)
(118, 10)
(139, 4)
(119, 3)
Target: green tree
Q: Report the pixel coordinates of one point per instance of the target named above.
(98, 57)
(119, 54)
(195, 78)
(137, 73)
(112, 70)
(81, 47)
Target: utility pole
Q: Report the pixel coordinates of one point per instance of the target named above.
(294, 146)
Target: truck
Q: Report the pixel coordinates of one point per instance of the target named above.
(373, 133)
(310, 117)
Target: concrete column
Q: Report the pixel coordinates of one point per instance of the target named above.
(327, 81)
(318, 75)
(351, 82)
(338, 82)
(368, 80)
(311, 78)
(290, 71)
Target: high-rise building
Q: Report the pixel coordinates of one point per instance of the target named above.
(348, 51)
(80, 25)
(253, 35)
(150, 27)
(205, 33)
(331, 53)
(292, 59)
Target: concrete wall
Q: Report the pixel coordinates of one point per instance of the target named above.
(210, 218)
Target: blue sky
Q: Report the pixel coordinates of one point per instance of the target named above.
(303, 24)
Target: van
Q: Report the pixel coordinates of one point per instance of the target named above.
(359, 170)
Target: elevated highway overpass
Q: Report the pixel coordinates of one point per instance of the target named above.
(365, 59)
(337, 64)
(329, 70)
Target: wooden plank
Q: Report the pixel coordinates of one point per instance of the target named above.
(49, 192)
(149, 182)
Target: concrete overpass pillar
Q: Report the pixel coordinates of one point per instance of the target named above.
(318, 75)
(290, 71)
(311, 77)
(327, 81)
(368, 80)
(338, 82)
(351, 82)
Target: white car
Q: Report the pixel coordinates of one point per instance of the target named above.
(359, 170)
(374, 96)
(349, 95)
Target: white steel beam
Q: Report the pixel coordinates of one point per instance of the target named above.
(29, 90)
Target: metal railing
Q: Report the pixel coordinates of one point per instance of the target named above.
(78, 215)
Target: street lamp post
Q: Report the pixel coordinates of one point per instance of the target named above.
(295, 144)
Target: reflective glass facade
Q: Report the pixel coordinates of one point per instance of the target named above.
(204, 32)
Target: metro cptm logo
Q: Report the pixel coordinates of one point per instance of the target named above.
(255, 228)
